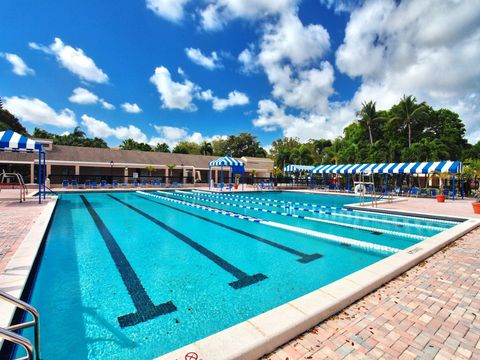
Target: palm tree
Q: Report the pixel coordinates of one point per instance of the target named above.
(78, 133)
(206, 148)
(410, 111)
(368, 116)
(302, 155)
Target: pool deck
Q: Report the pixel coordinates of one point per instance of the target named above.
(431, 311)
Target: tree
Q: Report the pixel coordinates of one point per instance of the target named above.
(302, 155)
(150, 168)
(10, 122)
(368, 116)
(130, 144)
(206, 148)
(186, 147)
(163, 147)
(244, 144)
(409, 112)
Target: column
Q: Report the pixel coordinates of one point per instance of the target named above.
(32, 173)
(216, 176)
(183, 176)
(125, 175)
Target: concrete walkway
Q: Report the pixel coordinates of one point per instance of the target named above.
(429, 312)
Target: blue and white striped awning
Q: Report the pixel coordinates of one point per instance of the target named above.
(294, 168)
(452, 167)
(12, 141)
(226, 161)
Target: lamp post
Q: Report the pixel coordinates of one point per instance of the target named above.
(111, 171)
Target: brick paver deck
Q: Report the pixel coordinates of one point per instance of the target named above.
(16, 219)
(430, 312)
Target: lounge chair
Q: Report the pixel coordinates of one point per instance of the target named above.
(446, 192)
(124, 184)
(94, 185)
(135, 183)
(115, 183)
(414, 192)
(152, 183)
(65, 183)
(406, 191)
(103, 184)
(74, 184)
(87, 183)
(144, 183)
(331, 187)
(158, 182)
(433, 192)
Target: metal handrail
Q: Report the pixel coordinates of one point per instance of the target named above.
(35, 323)
(19, 340)
(21, 183)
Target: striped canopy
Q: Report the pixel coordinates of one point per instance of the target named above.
(452, 167)
(12, 141)
(294, 168)
(226, 161)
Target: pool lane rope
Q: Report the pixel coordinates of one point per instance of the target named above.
(440, 221)
(328, 237)
(324, 221)
(322, 212)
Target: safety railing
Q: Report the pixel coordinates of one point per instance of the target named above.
(33, 352)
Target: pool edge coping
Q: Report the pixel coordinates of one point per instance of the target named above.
(265, 332)
(14, 278)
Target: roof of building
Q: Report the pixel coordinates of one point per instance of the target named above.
(63, 153)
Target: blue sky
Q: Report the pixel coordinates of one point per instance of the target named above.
(171, 70)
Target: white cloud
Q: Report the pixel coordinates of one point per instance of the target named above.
(83, 96)
(219, 12)
(248, 60)
(172, 135)
(73, 60)
(37, 112)
(305, 127)
(171, 10)
(131, 108)
(210, 62)
(99, 128)
(290, 55)
(174, 95)
(107, 105)
(408, 48)
(19, 66)
(235, 98)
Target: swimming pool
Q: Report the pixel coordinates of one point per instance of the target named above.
(136, 275)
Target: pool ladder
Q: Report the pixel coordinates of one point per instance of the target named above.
(9, 334)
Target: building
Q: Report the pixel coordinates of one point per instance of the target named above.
(95, 164)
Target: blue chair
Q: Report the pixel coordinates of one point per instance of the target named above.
(144, 183)
(158, 182)
(124, 184)
(87, 183)
(423, 192)
(103, 184)
(261, 185)
(414, 192)
(406, 191)
(152, 182)
(174, 184)
(135, 183)
(94, 185)
(433, 192)
(115, 183)
(74, 184)
(65, 183)
(331, 187)
(230, 186)
(446, 192)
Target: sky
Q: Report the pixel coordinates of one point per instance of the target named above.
(172, 70)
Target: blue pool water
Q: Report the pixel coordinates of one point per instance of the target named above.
(128, 275)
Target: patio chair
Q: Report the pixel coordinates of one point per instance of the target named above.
(406, 191)
(152, 182)
(331, 187)
(65, 183)
(135, 183)
(433, 192)
(158, 182)
(87, 183)
(446, 192)
(94, 185)
(175, 184)
(230, 186)
(423, 192)
(124, 184)
(103, 184)
(115, 183)
(414, 192)
(74, 184)
(144, 183)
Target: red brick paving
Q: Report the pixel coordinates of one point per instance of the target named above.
(430, 312)
(16, 219)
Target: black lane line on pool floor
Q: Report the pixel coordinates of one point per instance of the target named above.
(243, 278)
(304, 258)
(146, 310)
